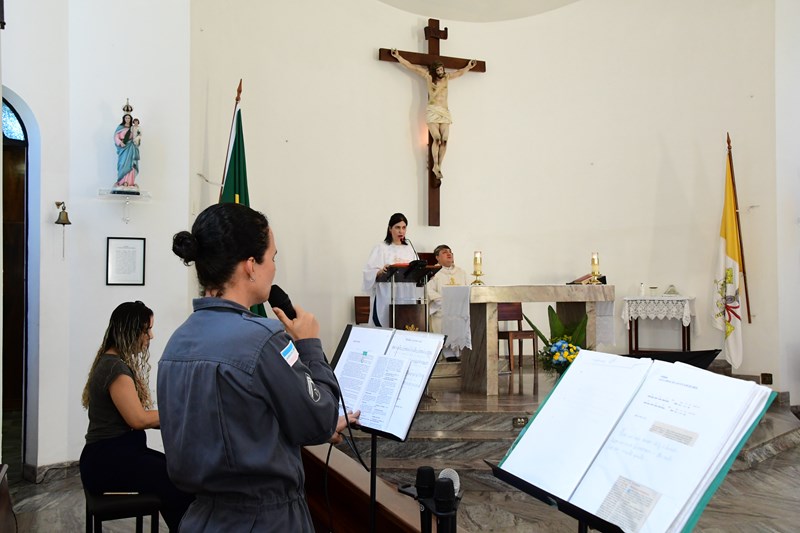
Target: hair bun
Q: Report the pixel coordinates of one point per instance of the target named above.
(184, 245)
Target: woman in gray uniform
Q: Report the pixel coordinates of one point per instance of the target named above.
(238, 393)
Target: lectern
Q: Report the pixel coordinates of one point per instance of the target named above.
(413, 316)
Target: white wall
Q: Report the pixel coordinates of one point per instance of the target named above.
(74, 67)
(599, 126)
(38, 74)
(787, 88)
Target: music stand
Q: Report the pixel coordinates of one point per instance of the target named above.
(395, 343)
(417, 272)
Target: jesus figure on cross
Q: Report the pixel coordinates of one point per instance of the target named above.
(437, 115)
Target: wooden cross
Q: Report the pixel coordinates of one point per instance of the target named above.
(433, 34)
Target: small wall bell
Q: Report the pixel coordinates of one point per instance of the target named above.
(63, 216)
(63, 221)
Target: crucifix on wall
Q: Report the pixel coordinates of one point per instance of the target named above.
(432, 66)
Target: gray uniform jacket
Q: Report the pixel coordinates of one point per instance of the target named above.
(237, 399)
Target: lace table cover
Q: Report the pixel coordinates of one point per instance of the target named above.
(677, 307)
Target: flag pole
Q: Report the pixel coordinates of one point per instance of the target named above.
(233, 125)
(739, 229)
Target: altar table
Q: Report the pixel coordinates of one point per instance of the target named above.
(479, 365)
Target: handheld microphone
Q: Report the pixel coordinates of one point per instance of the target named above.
(444, 497)
(278, 298)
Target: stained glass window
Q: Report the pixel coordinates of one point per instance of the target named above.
(12, 128)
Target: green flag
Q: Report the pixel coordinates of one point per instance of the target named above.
(234, 189)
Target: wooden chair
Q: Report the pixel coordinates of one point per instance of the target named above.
(428, 257)
(512, 312)
(361, 307)
(103, 507)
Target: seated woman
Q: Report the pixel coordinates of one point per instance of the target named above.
(116, 457)
(394, 249)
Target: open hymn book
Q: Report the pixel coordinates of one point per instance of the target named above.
(383, 373)
(641, 444)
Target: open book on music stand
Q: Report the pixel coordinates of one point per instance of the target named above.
(417, 272)
(383, 373)
(626, 444)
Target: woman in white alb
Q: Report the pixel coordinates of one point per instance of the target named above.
(394, 249)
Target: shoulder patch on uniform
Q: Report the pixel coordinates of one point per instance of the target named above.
(313, 391)
(290, 354)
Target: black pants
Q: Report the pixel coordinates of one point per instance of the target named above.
(126, 464)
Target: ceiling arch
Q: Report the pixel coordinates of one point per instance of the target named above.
(477, 10)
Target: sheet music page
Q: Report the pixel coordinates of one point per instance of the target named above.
(421, 350)
(369, 339)
(560, 443)
(370, 383)
(383, 372)
(676, 428)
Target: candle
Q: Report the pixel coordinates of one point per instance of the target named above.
(477, 261)
(595, 264)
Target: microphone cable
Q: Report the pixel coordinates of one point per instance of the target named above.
(351, 441)
(351, 444)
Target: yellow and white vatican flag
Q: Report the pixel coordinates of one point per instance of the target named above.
(727, 307)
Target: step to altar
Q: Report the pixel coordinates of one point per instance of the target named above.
(447, 374)
(778, 430)
(457, 430)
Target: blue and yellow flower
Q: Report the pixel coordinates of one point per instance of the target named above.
(564, 344)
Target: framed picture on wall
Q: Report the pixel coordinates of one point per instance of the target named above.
(125, 261)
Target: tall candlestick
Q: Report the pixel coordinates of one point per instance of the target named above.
(477, 268)
(595, 264)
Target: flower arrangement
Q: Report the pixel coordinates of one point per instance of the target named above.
(563, 345)
(562, 353)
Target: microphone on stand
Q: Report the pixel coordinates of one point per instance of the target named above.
(412, 246)
(444, 496)
(447, 501)
(278, 298)
(425, 486)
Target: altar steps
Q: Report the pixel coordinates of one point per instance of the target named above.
(778, 431)
(447, 375)
(456, 430)
(446, 439)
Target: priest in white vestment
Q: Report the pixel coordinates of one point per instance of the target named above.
(449, 276)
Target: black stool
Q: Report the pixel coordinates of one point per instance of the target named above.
(102, 507)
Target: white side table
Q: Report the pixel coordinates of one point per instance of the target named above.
(652, 307)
